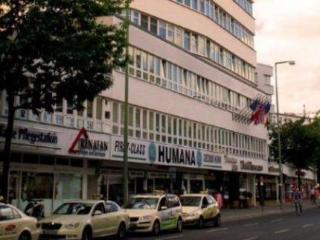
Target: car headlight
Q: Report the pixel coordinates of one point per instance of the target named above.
(71, 225)
(146, 218)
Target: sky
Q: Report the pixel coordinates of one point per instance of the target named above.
(290, 30)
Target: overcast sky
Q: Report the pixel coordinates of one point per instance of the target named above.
(290, 30)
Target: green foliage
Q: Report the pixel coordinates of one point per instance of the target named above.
(54, 49)
(299, 143)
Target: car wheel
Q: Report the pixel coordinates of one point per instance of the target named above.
(217, 221)
(179, 225)
(156, 228)
(25, 236)
(200, 222)
(122, 231)
(87, 234)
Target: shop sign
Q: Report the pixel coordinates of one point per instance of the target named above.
(158, 175)
(172, 155)
(31, 136)
(250, 166)
(212, 160)
(273, 169)
(230, 160)
(137, 150)
(84, 145)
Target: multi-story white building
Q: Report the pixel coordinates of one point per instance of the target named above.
(192, 76)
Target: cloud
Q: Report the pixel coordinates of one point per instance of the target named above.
(289, 30)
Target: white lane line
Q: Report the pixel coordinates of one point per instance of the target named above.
(307, 225)
(251, 238)
(276, 220)
(250, 224)
(281, 231)
(217, 230)
(172, 237)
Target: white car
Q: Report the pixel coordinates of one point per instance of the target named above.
(15, 225)
(154, 213)
(85, 220)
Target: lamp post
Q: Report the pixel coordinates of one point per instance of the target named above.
(281, 184)
(126, 96)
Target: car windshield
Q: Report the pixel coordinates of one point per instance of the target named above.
(74, 209)
(190, 201)
(143, 203)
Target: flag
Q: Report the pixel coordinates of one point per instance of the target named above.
(254, 105)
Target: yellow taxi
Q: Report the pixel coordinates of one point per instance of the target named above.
(85, 220)
(154, 213)
(15, 225)
(197, 209)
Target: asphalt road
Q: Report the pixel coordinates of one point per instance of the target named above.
(276, 227)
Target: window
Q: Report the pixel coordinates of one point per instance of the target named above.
(195, 4)
(100, 207)
(68, 186)
(7, 213)
(170, 33)
(111, 207)
(162, 30)
(186, 44)
(144, 22)
(178, 36)
(136, 17)
(154, 26)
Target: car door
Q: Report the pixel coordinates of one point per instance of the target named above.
(164, 213)
(9, 224)
(215, 206)
(206, 210)
(176, 210)
(112, 217)
(99, 221)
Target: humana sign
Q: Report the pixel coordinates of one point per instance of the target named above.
(84, 145)
(174, 156)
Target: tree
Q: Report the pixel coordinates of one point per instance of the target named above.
(299, 144)
(52, 50)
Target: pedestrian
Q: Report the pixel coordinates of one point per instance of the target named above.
(313, 195)
(297, 197)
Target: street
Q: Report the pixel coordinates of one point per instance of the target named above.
(276, 227)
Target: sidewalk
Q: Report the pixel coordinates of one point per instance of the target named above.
(229, 215)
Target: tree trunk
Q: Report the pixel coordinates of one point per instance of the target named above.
(6, 155)
(299, 179)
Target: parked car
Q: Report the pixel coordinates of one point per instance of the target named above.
(85, 220)
(15, 225)
(155, 213)
(197, 209)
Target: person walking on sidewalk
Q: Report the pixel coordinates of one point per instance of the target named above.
(297, 197)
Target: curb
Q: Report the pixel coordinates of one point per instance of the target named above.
(261, 214)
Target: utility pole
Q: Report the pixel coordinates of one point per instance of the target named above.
(126, 96)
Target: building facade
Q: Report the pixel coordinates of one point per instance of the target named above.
(192, 74)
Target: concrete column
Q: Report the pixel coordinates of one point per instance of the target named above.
(254, 191)
(277, 189)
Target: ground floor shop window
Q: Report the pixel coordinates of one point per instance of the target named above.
(37, 185)
(196, 186)
(68, 186)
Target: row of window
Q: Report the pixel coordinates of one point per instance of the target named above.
(155, 126)
(165, 74)
(245, 5)
(222, 18)
(195, 43)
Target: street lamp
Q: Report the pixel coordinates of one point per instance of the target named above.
(126, 96)
(281, 192)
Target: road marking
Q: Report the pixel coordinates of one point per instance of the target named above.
(250, 224)
(277, 220)
(217, 230)
(172, 237)
(281, 231)
(307, 225)
(251, 238)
